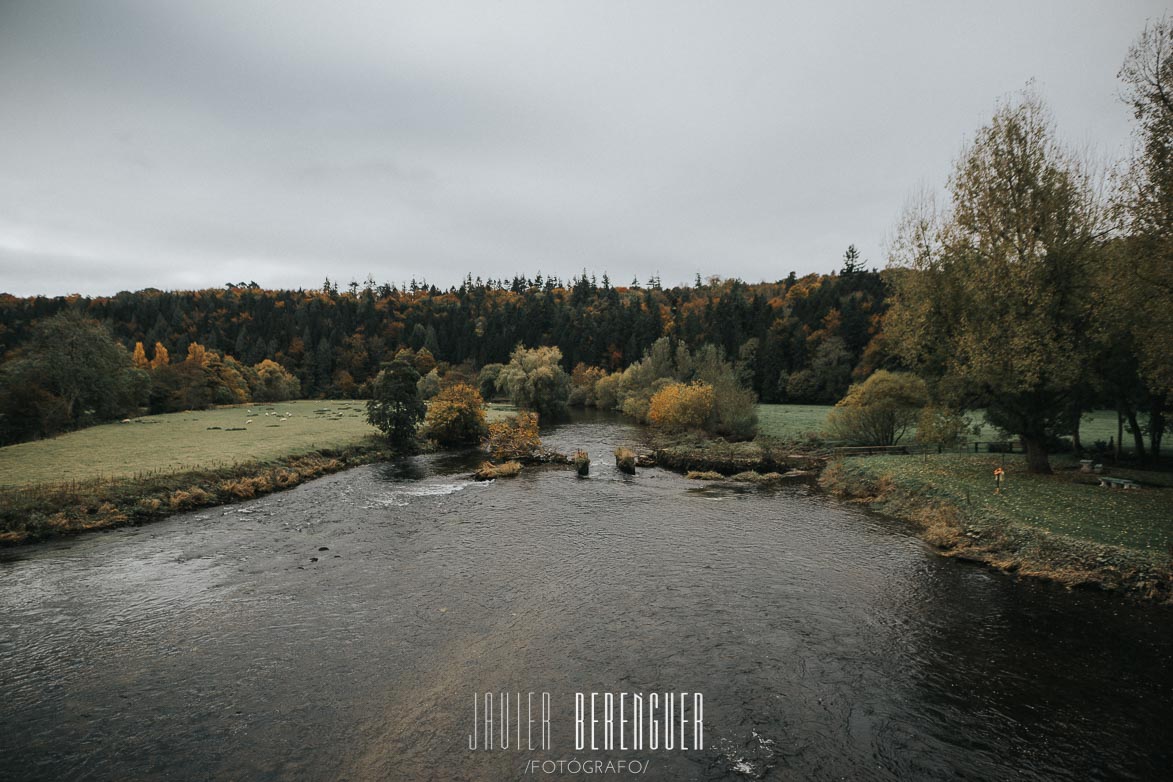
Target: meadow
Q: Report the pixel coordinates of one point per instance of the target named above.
(792, 422)
(192, 440)
(798, 422)
(1068, 503)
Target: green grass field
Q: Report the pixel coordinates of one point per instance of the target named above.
(193, 440)
(1067, 503)
(187, 441)
(794, 422)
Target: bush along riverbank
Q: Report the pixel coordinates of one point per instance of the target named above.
(42, 511)
(1063, 528)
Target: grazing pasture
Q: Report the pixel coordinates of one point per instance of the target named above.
(191, 440)
(795, 422)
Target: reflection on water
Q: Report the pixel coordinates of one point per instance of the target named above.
(339, 630)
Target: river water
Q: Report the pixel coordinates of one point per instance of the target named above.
(341, 630)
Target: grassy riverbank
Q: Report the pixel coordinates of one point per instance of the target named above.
(194, 440)
(39, 511)
(152, 466)
(1063, 527)
(808, 424)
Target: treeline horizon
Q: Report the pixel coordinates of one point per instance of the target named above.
(800, 339)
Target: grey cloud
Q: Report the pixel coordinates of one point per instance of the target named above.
(179, 145)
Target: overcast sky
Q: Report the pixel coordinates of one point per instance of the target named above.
(181, 145)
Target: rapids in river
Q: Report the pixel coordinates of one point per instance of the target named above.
(342, 629)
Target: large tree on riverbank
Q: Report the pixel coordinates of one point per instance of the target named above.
(395, 407)
(997, 307)
(1141, 267)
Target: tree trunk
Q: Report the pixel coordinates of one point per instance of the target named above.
(1036, 456)
(1156, 427)
(1137, 434)
(1119, 433)
(1076, 444)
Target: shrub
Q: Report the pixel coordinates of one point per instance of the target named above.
(515, 438)
(734, 408)
(880, 410)
(734, 405)
(642, 379)
(456, 416)
(736, 411)
(679, 406)
(488, 471)
(193, 497)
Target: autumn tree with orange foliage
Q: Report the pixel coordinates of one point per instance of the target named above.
(456, 416)
(274, 383)
(139, 359)
(515, 438)
(162, 358)
(682, 406)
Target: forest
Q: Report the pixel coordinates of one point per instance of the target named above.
(800, 339)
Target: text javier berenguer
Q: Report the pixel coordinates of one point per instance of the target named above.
(602, 720)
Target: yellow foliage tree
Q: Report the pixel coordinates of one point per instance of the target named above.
(515, 438)
(140, 356)
(681, 406)
(273, 383)
(456, 415)
(162, 357)
(197, 354)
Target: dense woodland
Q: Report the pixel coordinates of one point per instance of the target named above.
(800, 338)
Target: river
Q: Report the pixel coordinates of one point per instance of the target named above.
(342, 629)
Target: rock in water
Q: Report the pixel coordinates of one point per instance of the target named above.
(625, 460)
